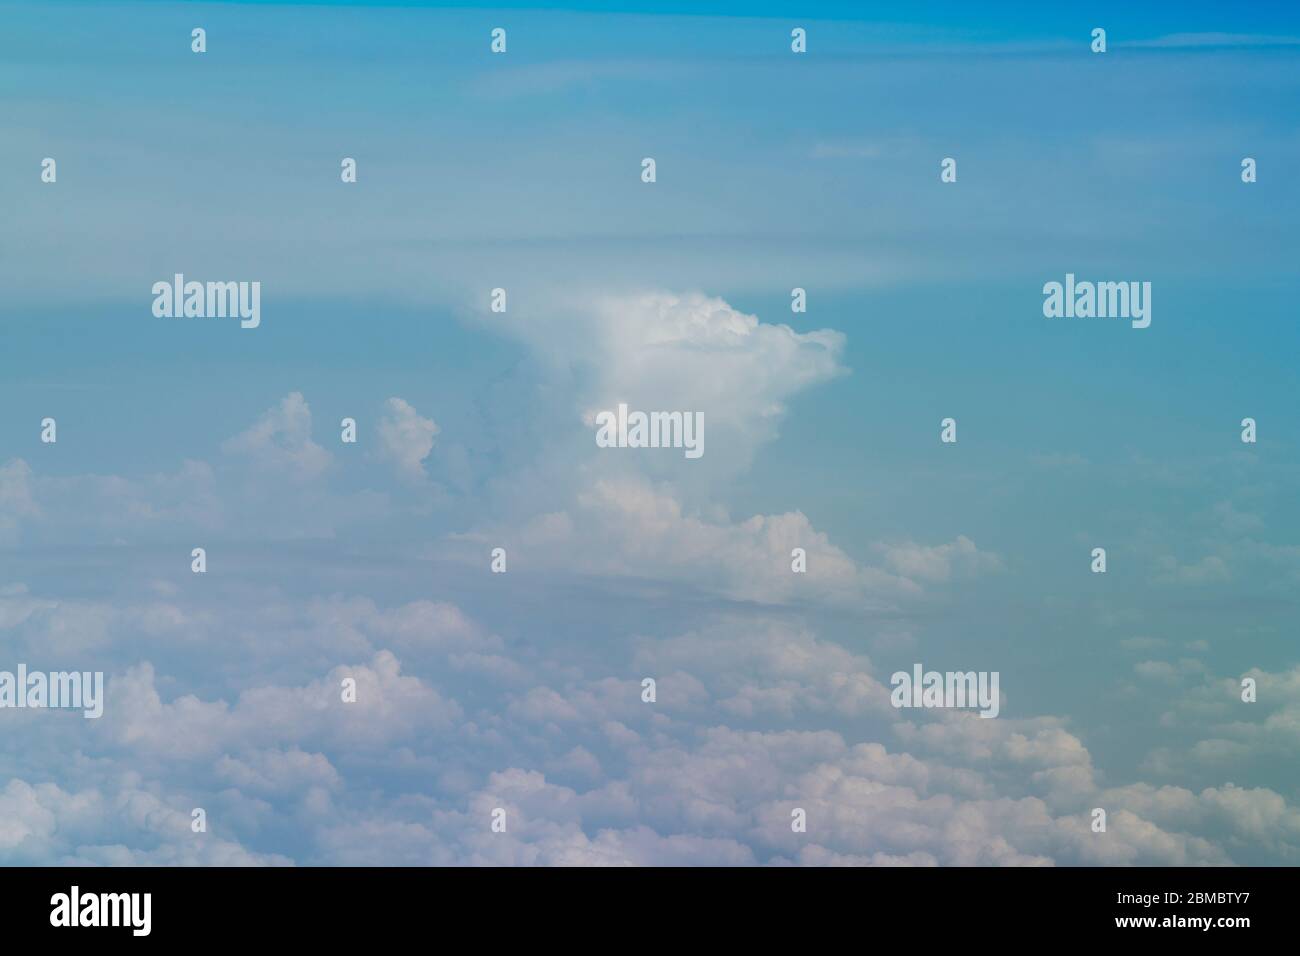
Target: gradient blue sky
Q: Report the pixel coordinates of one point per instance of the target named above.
(774, 171)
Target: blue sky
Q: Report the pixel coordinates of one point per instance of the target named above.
(523, 690)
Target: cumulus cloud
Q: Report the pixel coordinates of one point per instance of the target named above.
(1227, 733)
(406, 438)
(280, 441)
(44, 824)
(666, 351)
(630, 527)
(277, 771)
(637, 516)
(758, 711)
(16, 501)
(755, 716)
(389, 708)
(938, 562)
(523, 691)
(1207, 570)
(754, 668)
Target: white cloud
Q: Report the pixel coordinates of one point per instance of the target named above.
(125, 826)
(389, 708)
(756, 668)
(280, 441)
(406, 439)
(663, 351)
(629, 527)
(1207, 570)
(16, 501)
(704, 775)
(939, 562)
(278, 771)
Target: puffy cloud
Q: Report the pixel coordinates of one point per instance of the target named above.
(389, 708)
(278, 771)
(629, 527)
(125, 826)
(406, 439)
(939, 562)
(81, 507)
(756, 668)
(1207, 570)
(1039, 742)
(16, 500)
(524, 693)
(755, 716)
(418, 629)
(757, 711)
(662, 351)
(665, 351)
(1246, 814)
(1229, 734)
(280, 441)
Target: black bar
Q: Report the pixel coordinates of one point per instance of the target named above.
(487, 907)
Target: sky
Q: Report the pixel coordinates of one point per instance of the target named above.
(523, 690)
